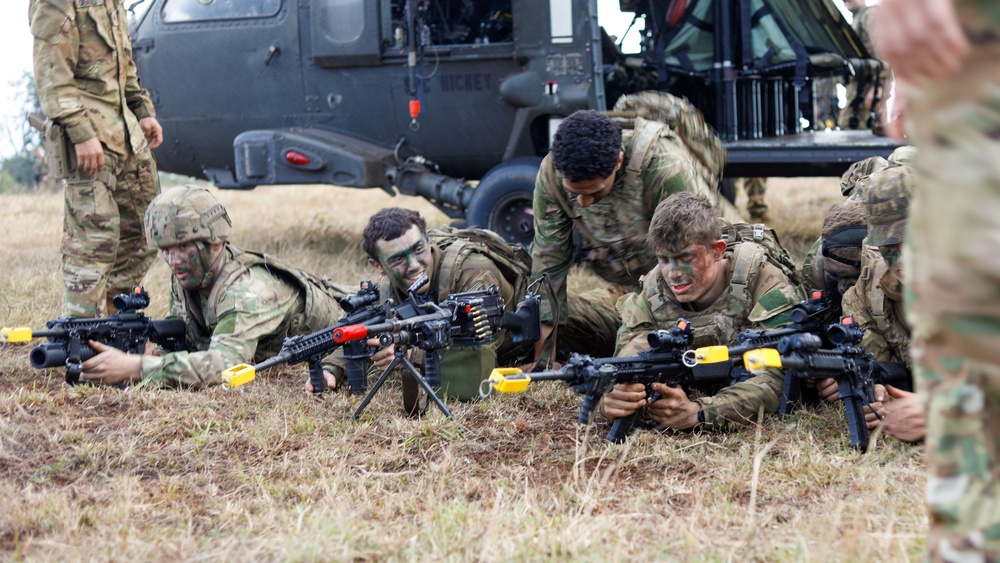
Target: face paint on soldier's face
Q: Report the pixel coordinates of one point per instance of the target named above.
(186, 265)
(893, 256)
(691, 273)
(405, 259)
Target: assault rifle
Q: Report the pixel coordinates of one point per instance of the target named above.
(127, 330)
(362, 308)
(668, 361)
(805, 356)
(467, 319)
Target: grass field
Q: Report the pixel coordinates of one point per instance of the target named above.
(267, 472)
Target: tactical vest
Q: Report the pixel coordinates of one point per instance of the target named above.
(733, 312)
(892, 328)
(321, 308)
(615, 227)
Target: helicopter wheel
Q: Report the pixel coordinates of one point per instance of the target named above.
(503, 200)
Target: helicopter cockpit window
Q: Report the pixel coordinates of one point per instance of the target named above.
(453, 22)
(182, 11)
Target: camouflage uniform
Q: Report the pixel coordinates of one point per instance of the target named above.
(254, 304)
(617, 225)
(590, 327)
(237, 312)
(876, 302)
(953, 277)
(756, 189)
(87, 82)
(864, 25)
(759, 296)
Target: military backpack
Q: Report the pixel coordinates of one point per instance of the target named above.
(456, 245)
(766, 247)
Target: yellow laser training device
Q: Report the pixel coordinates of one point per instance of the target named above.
(238, 375)
(758, 360)
(17, 334)
(509, 380)
(711, 354)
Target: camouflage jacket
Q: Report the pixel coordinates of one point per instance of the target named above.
(84, 72)
(765, 301)
(253, 305)
(876, 301)
(616, 245)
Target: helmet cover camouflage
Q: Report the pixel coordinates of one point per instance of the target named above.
(903, 155)
(859, 172)
(186, 214)
(887, 205)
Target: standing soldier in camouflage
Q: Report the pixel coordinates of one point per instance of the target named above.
(756, 189)
(607, 184)
(87, 84)
(858, 110)
(401, 249)
(947, 54)
(720, 291)
(238, 306)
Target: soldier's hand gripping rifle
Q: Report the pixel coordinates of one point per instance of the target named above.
(811, 316)
(127, 330)
(805, 356)
(362, 308)
(668, 361)
(468, 319)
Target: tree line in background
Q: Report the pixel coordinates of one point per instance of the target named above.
(24, 170)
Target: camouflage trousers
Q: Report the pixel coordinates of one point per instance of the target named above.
(756, 189)
(953, 277)
(592, 322)
(104, 250)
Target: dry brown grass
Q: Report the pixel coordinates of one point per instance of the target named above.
(268, 473)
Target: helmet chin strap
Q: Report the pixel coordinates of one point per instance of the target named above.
(208, 264)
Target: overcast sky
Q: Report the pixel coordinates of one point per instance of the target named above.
(15, 46)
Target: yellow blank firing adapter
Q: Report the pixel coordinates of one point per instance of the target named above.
(17, 334)
(758, 360)
(509, 380)
(711, 354)
(238, 375)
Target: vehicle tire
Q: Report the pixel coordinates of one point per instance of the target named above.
(502, 200)
(727, 187)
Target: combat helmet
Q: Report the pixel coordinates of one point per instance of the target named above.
(186, 214)
(887, 205)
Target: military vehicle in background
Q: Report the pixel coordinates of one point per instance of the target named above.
(416, 96)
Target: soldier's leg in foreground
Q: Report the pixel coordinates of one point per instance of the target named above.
(138, 184)
(955, 314)
(756, 190)
(90, 241)
(592, 322)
